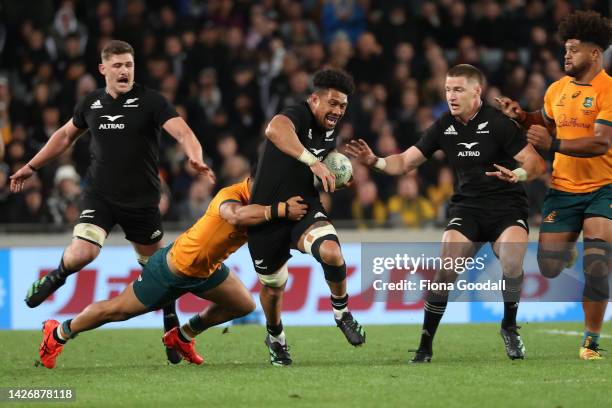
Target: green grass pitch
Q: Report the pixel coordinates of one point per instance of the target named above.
(127, 368)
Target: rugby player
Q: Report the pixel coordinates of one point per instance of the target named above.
(298, 138)
(578, 112)
(488, 205)
(193, 263)
(122, 184)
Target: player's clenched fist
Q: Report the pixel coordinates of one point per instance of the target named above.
(296, 208)
(539, 137)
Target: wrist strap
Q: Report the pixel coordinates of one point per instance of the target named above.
(521, 173)
(267, 214)
(555, 145)
(279, 210)
(282, 209)
(380, 164)
(34, 169)
(308, 158)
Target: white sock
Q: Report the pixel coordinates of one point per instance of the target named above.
(338, 313)
(279, 339)
(188, 337)
(58, 331)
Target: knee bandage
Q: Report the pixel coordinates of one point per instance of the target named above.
(596, 260)
(277, 279)
(90, 233)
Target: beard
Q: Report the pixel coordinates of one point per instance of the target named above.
(577, 69)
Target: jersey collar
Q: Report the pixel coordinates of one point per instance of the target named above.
(595, 78)
(458, 119)
(120, 97)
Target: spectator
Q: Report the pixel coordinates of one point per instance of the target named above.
(368, 210)
(200, 195)
(408, 208)
(63, 203)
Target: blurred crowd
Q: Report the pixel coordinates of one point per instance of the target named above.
(229, 65)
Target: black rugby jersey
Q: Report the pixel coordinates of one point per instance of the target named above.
(124, 144)
(279, 176)
(490, 137)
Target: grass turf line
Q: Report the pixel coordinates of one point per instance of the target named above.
(470, 368)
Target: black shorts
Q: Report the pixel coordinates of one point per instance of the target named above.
(270, 243)
(140, 225)
(485, 225)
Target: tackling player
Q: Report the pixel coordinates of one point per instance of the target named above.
(193, 263)
(578, 110)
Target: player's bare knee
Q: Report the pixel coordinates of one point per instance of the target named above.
(80, 253)
(246, 306)
(330, 253)
(552, 260)
(512, 268)
(550, 268)
(272, 292)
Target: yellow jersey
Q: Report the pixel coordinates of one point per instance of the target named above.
(200, 250)
(575, 108)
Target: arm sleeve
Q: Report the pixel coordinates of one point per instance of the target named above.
(228, 194)
(162, 110)
(78, 119)
(429, 142)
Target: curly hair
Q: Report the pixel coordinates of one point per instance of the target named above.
(587, 26)
(334, 79)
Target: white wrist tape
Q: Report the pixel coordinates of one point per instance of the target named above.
(521, 173)
(380, 164)
(308, 158)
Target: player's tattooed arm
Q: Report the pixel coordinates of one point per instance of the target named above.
(244, 215)
(179, 130)
(393, 165)
(58, 143)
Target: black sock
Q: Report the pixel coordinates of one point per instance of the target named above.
(275, 331)
(512, 296)
(433, 314)
(170, 319)
(510, 310)
(340, 303)
(62, 272)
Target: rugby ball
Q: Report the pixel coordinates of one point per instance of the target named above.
(340, 166)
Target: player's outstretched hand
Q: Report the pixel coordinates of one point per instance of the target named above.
(509, 107)
(19, 178)
(503, 174)
(327, 178)
(202, 168)
(539, 137)
(359, 149)
(296, 208)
